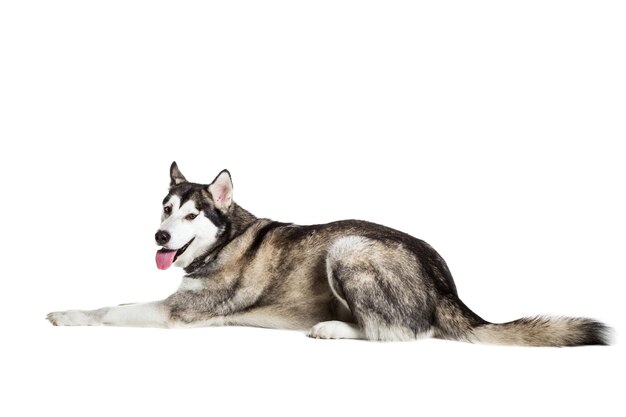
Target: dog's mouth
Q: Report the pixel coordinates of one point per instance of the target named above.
(166, 257)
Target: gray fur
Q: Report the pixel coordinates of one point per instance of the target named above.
(386, 284)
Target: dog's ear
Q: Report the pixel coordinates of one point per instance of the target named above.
(176, 177)
(221, 190)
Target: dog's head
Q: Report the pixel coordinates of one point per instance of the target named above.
(193, 217)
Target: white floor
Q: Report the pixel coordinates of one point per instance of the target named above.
(237, 371)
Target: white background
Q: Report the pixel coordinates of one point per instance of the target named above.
(493, 130)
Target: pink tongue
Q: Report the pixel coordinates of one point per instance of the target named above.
(165, 258)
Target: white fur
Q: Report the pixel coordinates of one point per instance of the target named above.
(212, 322)
(183, 230)
(156, 314)
(152, 314)
(72, 318)
(191, 284)
(346, 247)
(376, 331)
(137, 315)
(343, 248)
(336, 330)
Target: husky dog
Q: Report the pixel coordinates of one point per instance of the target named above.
(348, 279)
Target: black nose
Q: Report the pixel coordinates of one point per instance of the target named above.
(162, 237)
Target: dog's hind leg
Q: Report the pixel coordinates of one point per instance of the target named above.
(382, 287)
(336, 329)
(154, 314)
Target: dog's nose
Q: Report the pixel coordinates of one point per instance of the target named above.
(162, 237)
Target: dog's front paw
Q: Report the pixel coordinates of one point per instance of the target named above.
(70, 318)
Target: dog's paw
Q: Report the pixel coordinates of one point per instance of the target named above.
(70, 318)
(335, 330)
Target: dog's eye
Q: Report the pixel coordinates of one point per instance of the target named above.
(191, 216)
(167, 210)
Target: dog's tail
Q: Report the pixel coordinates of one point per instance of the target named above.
(454, 320)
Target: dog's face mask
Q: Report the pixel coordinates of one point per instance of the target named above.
(193, 217)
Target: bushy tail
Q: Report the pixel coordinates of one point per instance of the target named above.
(543, 331)
(456, 321)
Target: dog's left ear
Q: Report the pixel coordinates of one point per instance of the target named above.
(176, 177)
(221, 190)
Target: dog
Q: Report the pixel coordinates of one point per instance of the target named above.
(343, 280)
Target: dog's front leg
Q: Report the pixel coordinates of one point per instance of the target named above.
(154, 314)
